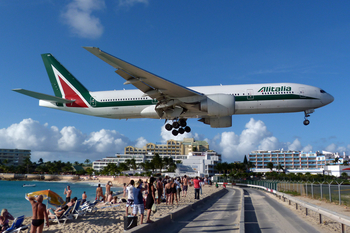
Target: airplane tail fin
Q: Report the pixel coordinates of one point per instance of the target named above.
(64, 84)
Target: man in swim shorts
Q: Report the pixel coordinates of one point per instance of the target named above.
(185, 185)
(68, 193)
(39, 212)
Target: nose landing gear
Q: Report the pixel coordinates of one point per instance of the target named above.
(178, 127)
(306, 121)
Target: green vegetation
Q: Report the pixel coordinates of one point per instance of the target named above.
(58, 167)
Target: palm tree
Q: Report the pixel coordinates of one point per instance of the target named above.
(27, 163)
(87, 161)
(279, 167)
(270, 165)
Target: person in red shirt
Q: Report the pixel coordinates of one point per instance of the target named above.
(196, 187)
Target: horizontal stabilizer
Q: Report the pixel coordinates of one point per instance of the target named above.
(41, 96)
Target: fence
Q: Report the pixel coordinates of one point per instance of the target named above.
(337, 193)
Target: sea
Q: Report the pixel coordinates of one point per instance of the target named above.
(12, 194)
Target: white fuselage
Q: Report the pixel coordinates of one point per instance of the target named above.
(249, 99)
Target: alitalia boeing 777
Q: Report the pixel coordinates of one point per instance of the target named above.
(159, 98)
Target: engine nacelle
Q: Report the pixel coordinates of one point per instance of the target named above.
(218, 105)
(218, 122)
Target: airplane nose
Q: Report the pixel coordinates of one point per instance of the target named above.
(327, 99)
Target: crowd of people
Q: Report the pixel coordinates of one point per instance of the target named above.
(142, 195)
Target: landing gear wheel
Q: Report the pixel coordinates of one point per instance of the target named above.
(176, 124)
(168, 127)
(175, 132)
(306, 122)
(181, 131)
(187, 129)
(182, 122)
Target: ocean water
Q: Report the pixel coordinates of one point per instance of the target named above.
(12, 194)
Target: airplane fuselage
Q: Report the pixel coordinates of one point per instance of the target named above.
(249, 99)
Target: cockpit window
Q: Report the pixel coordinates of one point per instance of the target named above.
(323, 91)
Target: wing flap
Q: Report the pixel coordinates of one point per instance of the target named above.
(45, 97)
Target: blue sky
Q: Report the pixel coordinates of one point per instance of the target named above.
(188, 42)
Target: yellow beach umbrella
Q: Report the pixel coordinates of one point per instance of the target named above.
(52, 197)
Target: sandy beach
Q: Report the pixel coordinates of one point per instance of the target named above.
(110, 218)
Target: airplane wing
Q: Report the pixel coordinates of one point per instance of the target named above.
(152, 85)
(45, 97)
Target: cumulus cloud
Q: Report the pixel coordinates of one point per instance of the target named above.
(68, 144)
(79, 16)
(255, 136)
(141, 142)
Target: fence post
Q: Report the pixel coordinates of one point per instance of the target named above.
(339, 192)
(321, 190)
(306, 188)
(312, 190)
(329, 191)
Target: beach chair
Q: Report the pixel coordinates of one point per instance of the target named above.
(89, 207)
(17, 225)
(77, 211)
(64, 217)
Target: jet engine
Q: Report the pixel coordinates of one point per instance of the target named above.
(218, 105)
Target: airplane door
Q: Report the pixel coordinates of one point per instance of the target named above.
(92, 102)
(302, 92)
(250, 94)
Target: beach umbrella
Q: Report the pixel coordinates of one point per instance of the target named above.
(52, 197)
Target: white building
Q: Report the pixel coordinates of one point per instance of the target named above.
(14, 157)
(202, 162)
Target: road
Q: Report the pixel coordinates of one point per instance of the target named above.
(266, 215)
(222, 215)
(263, 214)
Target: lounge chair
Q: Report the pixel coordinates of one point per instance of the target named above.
(89, 207)
(64, 217)
(77, 211)
(17, 225)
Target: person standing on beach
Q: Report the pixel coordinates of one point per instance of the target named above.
(108, 189)
(138, 200)
(185, 186)
(150, 199)
(130, 201)
(159, 189)
(196, 187)
(84, 196)
(39, 212)
(99, 193)
(68, 193)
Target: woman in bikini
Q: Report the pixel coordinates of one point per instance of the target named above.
(168, 192)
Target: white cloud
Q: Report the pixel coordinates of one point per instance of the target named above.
(233, 147)
(140, 142)
(130, 3)
(70, 144)
(78, 15)
(167, 135)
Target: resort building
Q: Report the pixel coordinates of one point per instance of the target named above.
(172, 147)
(295, 161)
(201, 160)
(14, 157)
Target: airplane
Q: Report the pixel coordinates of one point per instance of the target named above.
(158, 98)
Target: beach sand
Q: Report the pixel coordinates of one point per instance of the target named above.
(111, 218)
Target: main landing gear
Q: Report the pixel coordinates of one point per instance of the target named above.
(178, 127)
